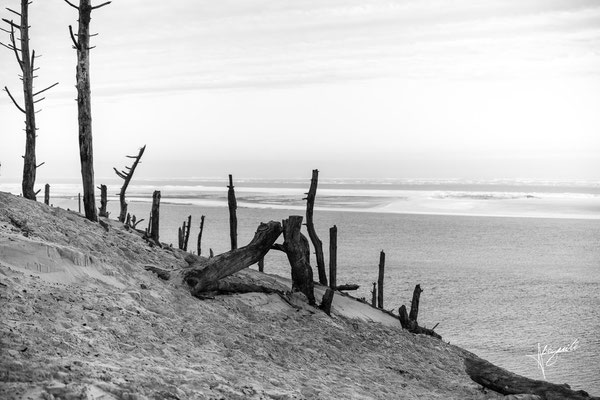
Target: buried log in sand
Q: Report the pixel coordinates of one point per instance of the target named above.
(203, 275)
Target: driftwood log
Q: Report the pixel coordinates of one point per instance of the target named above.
(204, 274)
(347, 286)
(310, 226)
(295, 245)
(502, 381)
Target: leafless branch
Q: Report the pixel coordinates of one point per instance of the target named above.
(39, 165)
(71, 4)
(11, 23)
(14, 101)
(13, 11)
(73, 35)
(38, 100)
(101, 5)
(42, 91)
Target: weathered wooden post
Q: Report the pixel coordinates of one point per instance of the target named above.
(47, 194)
(199, 243)
(154, 216)
(374, 295)
(232, 214)
(103, 201)
(310, 226)
(414, 305)
(183, 234)
(380, 280)
(327, 300)
(297, 250)
(187, 233)
(333, 257)
(261, 265)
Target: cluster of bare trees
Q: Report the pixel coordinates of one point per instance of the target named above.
(26, 57)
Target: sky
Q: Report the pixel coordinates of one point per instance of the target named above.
(421, 89)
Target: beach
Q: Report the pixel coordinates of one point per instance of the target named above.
(497, 286)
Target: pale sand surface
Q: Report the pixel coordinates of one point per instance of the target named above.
(81, 318)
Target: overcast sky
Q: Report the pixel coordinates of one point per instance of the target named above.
(357, 88)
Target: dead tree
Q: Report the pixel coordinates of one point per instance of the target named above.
(47, 194)
(103, 201)
(326, 301)
(26, 61)
(296, 247)
(199, 244)
(231, 201)
(409, 322)
(333, 257)
(310, 226)
(184, 234)
(414, 305)
(203, 276)
(374, 295)
(134, 221)
(81, 42)
(380, 279)
(154, 217)
(126, 176)
(261, 265)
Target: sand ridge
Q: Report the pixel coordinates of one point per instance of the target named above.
(81, 318)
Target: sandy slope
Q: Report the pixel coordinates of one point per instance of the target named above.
(81, 318)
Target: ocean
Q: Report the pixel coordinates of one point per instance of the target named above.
(508, 268)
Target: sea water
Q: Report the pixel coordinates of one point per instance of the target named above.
(508, 269)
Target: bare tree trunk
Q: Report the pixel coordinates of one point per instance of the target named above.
(310, 226)
(103, 201)
(187, 233)
(333, 257)
(326, 301)
(297, 250)
(199, 244)
(126, 176)
(155, 216)
(84, 104)
(380, 279)
(374, 295)
(261, 265)
(414, 306)
(26, 60)
(47, 194)
(29, 167)
(204, 275)
(232, 214)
